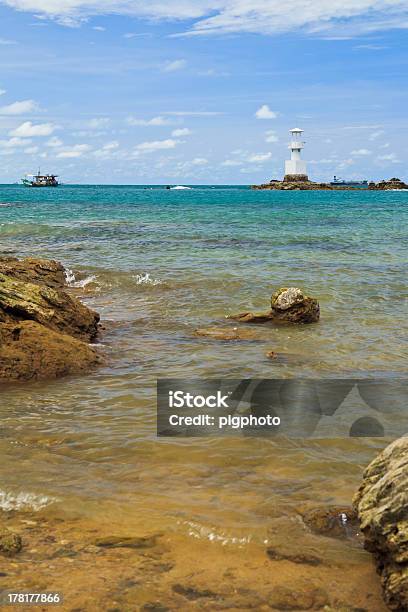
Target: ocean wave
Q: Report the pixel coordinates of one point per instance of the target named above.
(24, 501)
(146, 279)
(71, 281)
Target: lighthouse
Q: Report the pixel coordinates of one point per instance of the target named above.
(295, 167)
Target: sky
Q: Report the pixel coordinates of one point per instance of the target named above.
(202, 91)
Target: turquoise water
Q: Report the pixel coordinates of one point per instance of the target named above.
(157, 265)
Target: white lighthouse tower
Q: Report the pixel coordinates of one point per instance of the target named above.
(295, 167)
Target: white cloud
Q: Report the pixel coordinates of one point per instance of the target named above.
(155, 121)
(157, 145)
(99, 28)
(110, 146)
(361, 152)
(28, 129)
(181, 132)
(31, 150)
(175, 65)
(5, 41)
(199, 161)
(2, 92)
(270, 136)
(192, 113)
(75, 151)
(98, 123)
(19, 108)
(231, 163)
(328, 18)
(15, 142)
(259, 158)
(54, 142)
(264, 112)
(390, 157)
(376, 135)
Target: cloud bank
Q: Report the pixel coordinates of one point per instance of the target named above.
(321, 17)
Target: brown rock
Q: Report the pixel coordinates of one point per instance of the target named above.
(334, 521)
(226, 333)
(127, 542)
(393, 183)
(53, 308)
(382, 507)
(302, 558)
(288, 305)
(34, 270)
(10, 543)
(30, 351)
(297, 597)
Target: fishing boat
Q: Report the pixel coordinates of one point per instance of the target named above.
(40, 180)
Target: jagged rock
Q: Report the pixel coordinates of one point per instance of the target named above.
(34, 270)
(30, 351)
(10, 543)
(288, 305)
(53, 308)
(382, 507)
(44, 331)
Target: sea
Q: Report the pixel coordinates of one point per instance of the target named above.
(158, 264)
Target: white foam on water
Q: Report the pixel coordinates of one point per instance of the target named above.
(24, 501)
(200, 532)
(69, 276)
(146, 279)
(71, 281)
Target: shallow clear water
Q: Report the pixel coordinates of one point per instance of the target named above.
(158, 264)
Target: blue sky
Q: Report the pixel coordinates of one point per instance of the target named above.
(202, 91)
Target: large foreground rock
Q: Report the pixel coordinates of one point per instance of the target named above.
(382, 507)
(44, 331)
(288, 305)
(34, 270)
(30, 351)
(54, 308)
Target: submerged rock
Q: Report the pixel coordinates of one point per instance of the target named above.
(44, 331)
(288, 305)
(298, 597)
(382, 507)
(227, 333)
(10, 543)
(127, 542)
(333, 522)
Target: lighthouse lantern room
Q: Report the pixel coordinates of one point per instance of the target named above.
(295, 167)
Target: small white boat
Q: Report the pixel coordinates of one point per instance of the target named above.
(180, 188)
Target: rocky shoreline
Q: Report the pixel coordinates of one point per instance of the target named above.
(45, 332)
(306, 185)
(381, 504)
